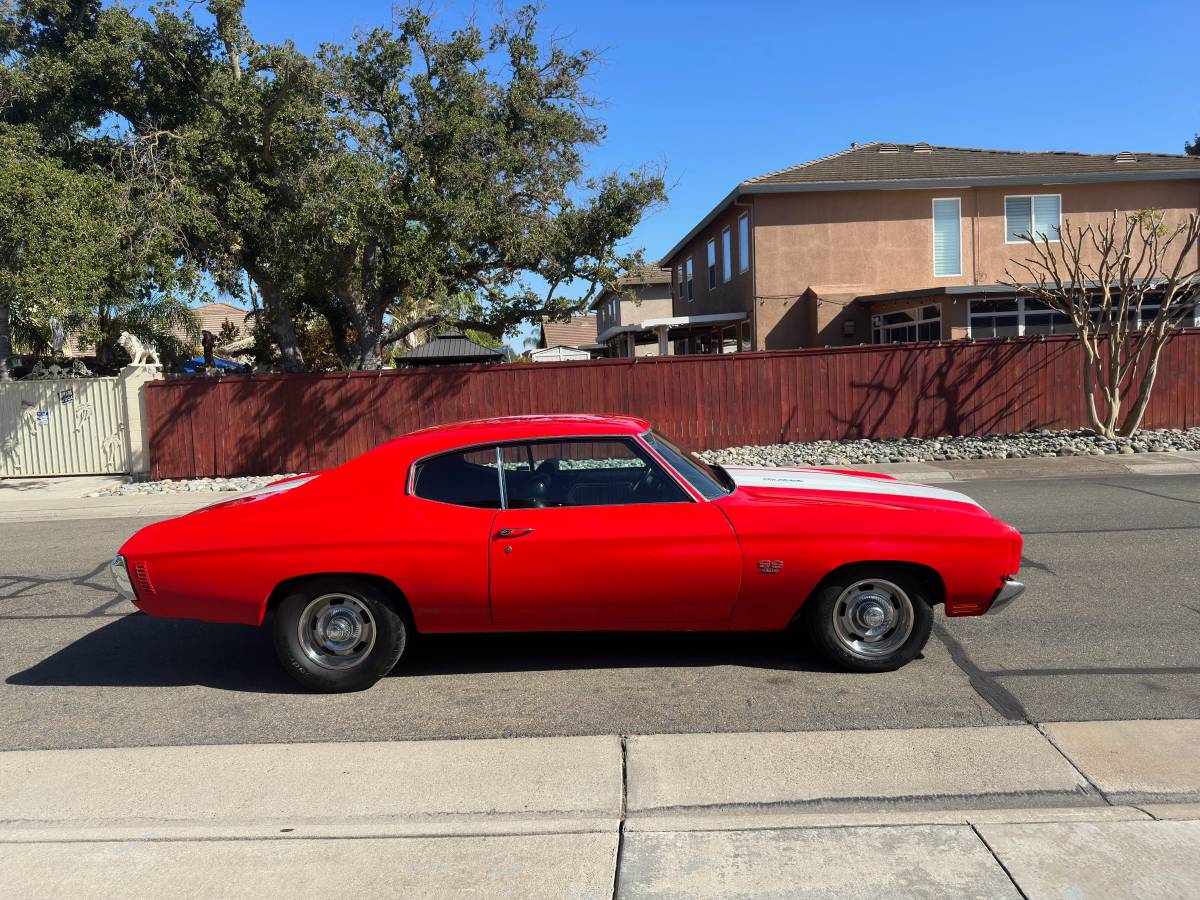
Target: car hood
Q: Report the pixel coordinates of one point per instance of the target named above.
(782, 484)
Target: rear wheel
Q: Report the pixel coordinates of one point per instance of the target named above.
(337, 635)
(870, 619)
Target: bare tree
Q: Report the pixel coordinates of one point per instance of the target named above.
(1128, 285)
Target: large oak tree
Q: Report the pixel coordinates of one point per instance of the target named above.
(412, 179)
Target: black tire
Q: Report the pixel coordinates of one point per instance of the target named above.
(823, 610)
(369, 605)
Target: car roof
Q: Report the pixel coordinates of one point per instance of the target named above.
(514, 428)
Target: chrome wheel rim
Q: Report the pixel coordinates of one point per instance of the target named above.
(873, 618)
(336, 631)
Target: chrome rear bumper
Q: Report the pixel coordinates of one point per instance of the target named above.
(1006, 595)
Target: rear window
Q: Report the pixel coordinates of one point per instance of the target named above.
(464, 478)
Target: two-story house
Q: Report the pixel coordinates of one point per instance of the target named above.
(897, 242)
(633, 312)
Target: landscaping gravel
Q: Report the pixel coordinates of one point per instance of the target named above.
(188, 486)
(1029, 445)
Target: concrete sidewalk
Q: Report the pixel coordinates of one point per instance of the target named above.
(1087, 809)
(47, 499)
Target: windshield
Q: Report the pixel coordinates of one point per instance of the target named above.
(710, 481)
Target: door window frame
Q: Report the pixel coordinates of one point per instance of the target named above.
(632, 440)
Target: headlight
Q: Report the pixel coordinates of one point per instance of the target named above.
(120, 577)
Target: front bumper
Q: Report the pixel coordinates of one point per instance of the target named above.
(120, 576)
(1010, 591)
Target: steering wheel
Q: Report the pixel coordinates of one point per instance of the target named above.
(646, 484)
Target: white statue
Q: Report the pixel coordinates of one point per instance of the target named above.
(139, 354)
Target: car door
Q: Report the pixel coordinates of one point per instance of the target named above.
(596, 534)
(455, 496)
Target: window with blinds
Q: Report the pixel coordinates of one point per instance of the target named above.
(743, 243)
(726, 255)
(1036, 214)
(947, 236)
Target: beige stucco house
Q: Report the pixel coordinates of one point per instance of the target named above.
(897, 242)
(634, 315)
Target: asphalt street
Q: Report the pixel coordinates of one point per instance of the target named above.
(1107, 630)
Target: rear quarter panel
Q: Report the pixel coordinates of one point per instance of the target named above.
(221, 564)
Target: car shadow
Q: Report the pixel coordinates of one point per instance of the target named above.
(144, 651)
(138, 650)
(480, 653)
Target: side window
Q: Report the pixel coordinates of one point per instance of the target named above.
(585, 472)
(464, 478)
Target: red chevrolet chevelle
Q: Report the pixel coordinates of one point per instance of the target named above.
(570, 523)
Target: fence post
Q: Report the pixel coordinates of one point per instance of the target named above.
(137, 439)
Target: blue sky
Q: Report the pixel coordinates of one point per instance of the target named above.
(720, 92)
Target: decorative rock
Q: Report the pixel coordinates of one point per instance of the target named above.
(1030, 445)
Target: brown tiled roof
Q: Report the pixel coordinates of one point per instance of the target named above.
(644, 275)
(213, 315)
(880, 161)
(579, 332)
(880, 165)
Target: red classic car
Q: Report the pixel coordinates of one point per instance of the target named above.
(556, 523)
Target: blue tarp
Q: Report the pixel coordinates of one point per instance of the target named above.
(195, 365)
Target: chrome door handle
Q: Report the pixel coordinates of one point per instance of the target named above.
(513, 532)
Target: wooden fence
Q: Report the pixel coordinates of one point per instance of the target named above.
(296, 423)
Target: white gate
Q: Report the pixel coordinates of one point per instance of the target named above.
(71, 426)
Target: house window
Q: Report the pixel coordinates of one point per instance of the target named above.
(712, 264)
(690, 292)
(1014, 317)
(947, 237)
(726, 257)
(743, 243)
(679, 280)
(920, 324)
(1038, 214)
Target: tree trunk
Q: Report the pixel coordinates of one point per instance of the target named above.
(280, 323)
(5, 343)
(1089, 387)
(368, 337)
(341, 341)
(283, 329)
(1133, 421)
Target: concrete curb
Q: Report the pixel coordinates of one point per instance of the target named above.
(1179, 463)
(1073, 771)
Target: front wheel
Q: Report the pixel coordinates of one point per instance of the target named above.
(334, 636)
(870, 619)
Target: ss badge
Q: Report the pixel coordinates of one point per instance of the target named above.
(769, 566)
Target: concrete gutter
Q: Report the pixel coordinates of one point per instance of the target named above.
(587, 784)
(1181, 463)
